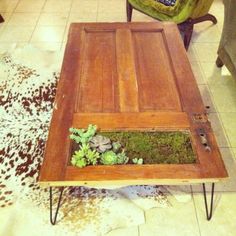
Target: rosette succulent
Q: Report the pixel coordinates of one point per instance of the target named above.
(109, 158)
(116, 146)
(85, 156)
(122, 158)
(100, 143)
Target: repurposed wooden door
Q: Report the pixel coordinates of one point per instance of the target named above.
(128, 76)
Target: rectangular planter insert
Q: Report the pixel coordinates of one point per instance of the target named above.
(154, 147)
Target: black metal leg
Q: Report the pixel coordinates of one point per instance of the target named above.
(54, 219)
(209, 214)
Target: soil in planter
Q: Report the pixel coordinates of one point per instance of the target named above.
(154, 147)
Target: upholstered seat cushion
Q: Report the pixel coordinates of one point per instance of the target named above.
(178, 13)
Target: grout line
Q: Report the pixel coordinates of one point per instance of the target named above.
(224, 129)
(98, 4)
(139, 231)
(36, 24)
(195, 211)
(66, 26)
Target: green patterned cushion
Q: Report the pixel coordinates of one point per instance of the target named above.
(167, 2)
(177, 13)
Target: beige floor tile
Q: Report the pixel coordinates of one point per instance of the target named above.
(218, 129)
(4, 47)
(111, 6)
(224, 96)
(47, 46)
(78, 6)
(8, 5)
(229, 123)
(53, 19)
(111, 17)
(206, 52)
(224, 217)
(207, 98)
(214, 75)
(234, 152)
(24, 19)
(217, 9)
(30, 5)
(206, 32)
(57, 6)
(227, 185)
(198, 73)
(2, 27)
(192, 55)
(84, 17)
(63, 46)
(6, 16)
(139, 16)
(48, 34)
(16, 34)
(167, 221)
(131, 231)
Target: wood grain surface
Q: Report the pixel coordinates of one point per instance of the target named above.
(128, 76)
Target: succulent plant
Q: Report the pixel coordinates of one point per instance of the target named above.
(109, 158)
(78, 159)
(85, 156)
(122, 158)
(92, 157)
(100, 143)
(138, 161)
(116, 146)
(81, 135)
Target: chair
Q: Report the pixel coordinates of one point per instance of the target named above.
(1, 19)
(186, 13)
(227, 47)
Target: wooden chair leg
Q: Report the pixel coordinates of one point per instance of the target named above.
(1, 19)
(129, 10)
(219, 62)
(187, 30)
(188, 35)
(207, 17)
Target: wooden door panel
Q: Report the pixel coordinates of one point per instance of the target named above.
(156, 82)
(133, 121)
(128, 76)
(97, 88)
(128, 88)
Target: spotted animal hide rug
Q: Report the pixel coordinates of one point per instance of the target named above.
(28, 81)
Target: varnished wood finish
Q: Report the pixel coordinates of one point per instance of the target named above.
(135, 121)
(128, 76)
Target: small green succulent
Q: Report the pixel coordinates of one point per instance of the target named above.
(138, 161)
(116, 146)
(81, 135)
(85, 156)
(109, 158)
(78, 159)
(122, 158)
(92, 157)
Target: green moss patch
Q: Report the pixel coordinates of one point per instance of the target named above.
(156, 147)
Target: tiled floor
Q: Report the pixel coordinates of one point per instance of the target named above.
(45, 23)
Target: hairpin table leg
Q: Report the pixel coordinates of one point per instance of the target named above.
(209, 214)
(54, 219)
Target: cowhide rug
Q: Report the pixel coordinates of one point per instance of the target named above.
(28, 80)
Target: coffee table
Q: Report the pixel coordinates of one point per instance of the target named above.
(128, 76)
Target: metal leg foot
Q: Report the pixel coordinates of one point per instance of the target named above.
(209, 213)
(54, 219)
